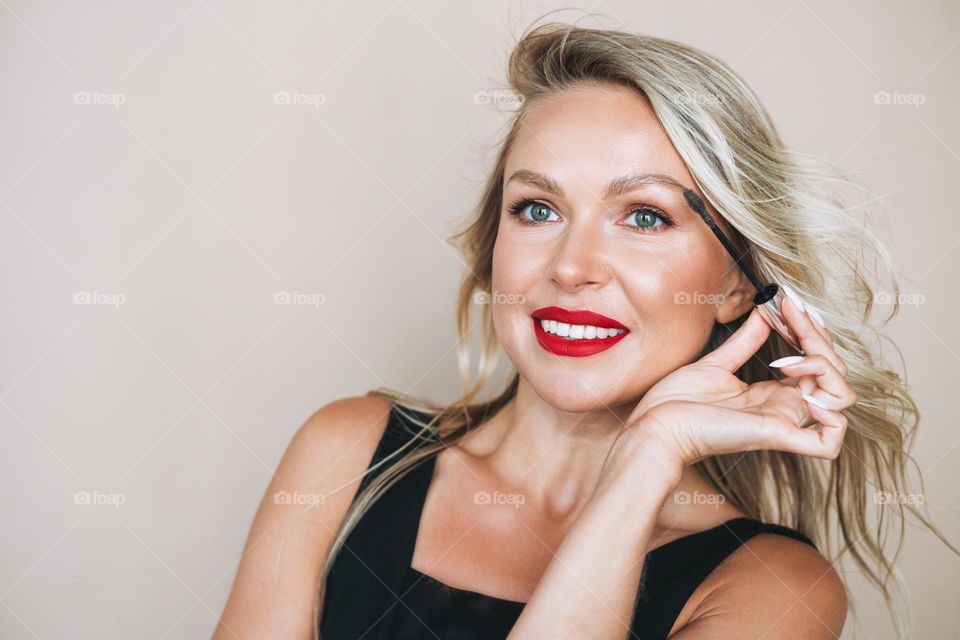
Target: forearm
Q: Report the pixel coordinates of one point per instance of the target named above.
(590, 587)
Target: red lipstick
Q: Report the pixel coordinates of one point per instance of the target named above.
(575, 347)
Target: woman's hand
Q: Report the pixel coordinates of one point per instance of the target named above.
(697, 411)
(703, 409)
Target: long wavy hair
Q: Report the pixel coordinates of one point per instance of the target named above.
(796, 216)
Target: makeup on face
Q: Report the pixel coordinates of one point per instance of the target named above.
(576, 333)
(585, 333)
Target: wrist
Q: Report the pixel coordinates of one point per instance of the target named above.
(642, 459)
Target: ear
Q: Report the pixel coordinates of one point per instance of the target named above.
(737, 296)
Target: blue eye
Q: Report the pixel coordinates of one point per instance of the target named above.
(534, 212)
(539, 212)
(646, 217)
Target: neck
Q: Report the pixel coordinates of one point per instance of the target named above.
(554, 458)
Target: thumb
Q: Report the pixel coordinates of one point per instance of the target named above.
(741, 345)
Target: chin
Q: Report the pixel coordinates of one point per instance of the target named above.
(573, 392)
(574, 403)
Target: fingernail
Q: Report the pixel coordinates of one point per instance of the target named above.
(816, 316)
(794, 297)
(782, 362)
(814, 401)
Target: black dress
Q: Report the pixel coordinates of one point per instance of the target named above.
(372, 592)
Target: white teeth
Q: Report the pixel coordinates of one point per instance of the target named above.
(578, 331)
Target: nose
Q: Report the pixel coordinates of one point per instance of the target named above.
(578, 258)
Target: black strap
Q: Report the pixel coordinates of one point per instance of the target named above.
(365, 583)
(672, 573)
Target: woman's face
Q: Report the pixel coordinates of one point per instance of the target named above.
(639, 257)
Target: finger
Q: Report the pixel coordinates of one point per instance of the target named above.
(826, 417)
(784, 435)
(741, 345)
(821, 329)
(836, 392)
(811, 340)
(805, 384)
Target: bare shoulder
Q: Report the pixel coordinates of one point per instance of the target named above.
(774, 586)
(294, 527)
(327, 456)
(345, 432)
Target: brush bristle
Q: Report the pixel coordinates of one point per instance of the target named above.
(697, 205)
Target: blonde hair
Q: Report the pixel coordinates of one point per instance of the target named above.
(789, 210)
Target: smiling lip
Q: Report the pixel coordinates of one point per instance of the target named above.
(575, 348)
(577, 317)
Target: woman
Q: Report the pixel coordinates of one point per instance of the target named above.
(656, 467)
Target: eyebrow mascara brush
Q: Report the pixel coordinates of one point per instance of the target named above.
(768, 298)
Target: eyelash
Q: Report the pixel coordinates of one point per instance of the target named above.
(517, 208)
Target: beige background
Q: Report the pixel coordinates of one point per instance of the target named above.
(154, 197)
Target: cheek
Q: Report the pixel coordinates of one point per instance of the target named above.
(515, 266)
(676, 288)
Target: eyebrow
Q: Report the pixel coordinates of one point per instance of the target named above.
(617, 186)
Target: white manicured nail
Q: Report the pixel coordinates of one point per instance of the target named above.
(782, 362)
(814, 401)
(794, 297)
(816, 316)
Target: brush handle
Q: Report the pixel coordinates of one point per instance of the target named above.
(770, 310)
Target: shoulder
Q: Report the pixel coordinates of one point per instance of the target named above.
(773, 585)
(357, 422)
(334, 445)
(298, 517)
(324, 463)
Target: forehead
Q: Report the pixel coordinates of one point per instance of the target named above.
(582, 137)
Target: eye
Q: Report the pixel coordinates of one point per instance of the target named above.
(646, 218)
(534, 212)
(538, 211)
